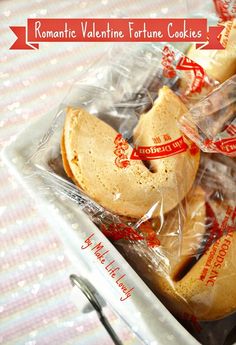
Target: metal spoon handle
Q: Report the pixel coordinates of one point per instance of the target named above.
(89, 291)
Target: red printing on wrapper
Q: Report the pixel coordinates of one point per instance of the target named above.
(231, 130)
(122, 160)
(118, 231)
(194, 149)
(161, 138)
(159, 151)
(150, 235)
(226, 9)
(168, 57)
(226, 145)
(150, 152)
(216, 255)
(225, 37)
(186, 64)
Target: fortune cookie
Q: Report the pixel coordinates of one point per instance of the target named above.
(187, 275)
(219, 64)
(87, 149)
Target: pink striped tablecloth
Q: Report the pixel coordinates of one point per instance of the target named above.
(35, 304)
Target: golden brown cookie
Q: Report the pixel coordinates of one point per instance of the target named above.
(188, 276)
(88, 157)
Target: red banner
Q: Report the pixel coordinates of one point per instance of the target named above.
(159, 151)
(116, 30)
(20, 43)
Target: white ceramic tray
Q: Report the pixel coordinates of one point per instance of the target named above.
(142, 312)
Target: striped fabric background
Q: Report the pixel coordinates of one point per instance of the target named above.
(35, 304)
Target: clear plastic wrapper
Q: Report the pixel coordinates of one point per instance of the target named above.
(192, 269)
(211, 123)
(115, 148)
(219, 64)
